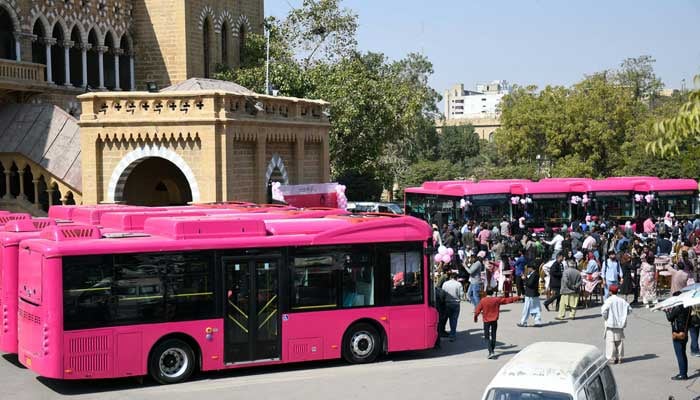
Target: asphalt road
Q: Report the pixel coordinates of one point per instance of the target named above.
(459, 370)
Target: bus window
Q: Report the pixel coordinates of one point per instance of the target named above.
(358, 278)
(314, 281)
(87, 290)
(404, 266)
(138, 288)
(190, 286)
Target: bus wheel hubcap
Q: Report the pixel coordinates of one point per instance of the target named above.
(173, 362)
(361, 344)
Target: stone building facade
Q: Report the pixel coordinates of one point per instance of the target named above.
(201, 149)
(207, 145)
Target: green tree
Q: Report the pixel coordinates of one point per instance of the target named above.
(579, 129)
(382, 112)
(458, 143)
(638, 74)
(426, 170)
(673, 132)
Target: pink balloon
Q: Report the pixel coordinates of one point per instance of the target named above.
(450, 251)
(446, 258)
(437, 258)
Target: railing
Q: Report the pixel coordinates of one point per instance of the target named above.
(21, 71)
(211, 105)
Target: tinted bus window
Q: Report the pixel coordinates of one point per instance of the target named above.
(138, 292)
(87, 291)
(190, 287)
(332, 277)
(314, 280)
(138, 289)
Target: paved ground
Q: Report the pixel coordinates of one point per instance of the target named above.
(459, 370)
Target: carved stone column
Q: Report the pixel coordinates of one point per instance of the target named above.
(66, 61)
(84, 49)
(8, 193)
(117, 53)
(49, 65)
(101, 50)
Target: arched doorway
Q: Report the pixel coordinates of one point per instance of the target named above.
(7, 38)
(93, 61)
(167, 187)
(58, 55)
(276, 172)
(76, 58)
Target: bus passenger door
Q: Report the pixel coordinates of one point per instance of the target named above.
(252, 309)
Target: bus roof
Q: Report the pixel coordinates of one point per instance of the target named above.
(460, 188)
(135, 220)
(550, 366)
(17, 230)
(226, 232)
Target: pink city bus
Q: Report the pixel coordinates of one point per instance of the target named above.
(14, 232)
(116, 222)
(552, 201)
(216, 292)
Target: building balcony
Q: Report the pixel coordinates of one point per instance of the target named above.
(22, 76)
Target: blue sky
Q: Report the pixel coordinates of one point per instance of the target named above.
(530, 41)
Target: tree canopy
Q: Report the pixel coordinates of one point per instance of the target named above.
(381, 110)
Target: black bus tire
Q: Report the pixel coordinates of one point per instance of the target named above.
(361, 344)
(171, 361)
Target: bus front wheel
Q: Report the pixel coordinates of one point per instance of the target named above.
(361, 344)
(171, 361)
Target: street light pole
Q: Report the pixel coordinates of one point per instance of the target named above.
(267, 60)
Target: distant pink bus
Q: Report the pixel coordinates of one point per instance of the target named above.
(218, 292)
(120, 221)
(552, 201)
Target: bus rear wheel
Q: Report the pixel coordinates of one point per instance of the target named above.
(171, 361)
(361, 344)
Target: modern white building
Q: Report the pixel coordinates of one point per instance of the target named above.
(475, 104)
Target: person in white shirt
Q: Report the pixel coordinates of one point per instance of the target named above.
(615, 311)
(453, 294)
(588, 242)
(556, 241)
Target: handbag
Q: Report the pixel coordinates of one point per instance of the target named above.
(681, 336)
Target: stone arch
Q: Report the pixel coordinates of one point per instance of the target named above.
(41, 18)
(8, 30)
(278, 163)
(207, 12)
(244, 23)
(98, 34)
(81, 31)
(112, 36)
(10, 9)
(226, 18)
(63, 26)
(117, 181)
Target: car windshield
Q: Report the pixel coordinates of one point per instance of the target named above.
(525, 394)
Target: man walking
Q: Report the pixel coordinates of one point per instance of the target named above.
(491, 307)
(555, 273)
(532, 297)
(615, 311)
(453, 294)
(612, 272)
(520, 265)
(570, 285)
(473, 293)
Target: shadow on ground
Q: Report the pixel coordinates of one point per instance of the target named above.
(465, 341)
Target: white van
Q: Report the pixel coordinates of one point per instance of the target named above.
(373, 206)
(554, 371)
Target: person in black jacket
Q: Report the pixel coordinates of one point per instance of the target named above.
(532, 297)
(679, 317)
(555, 272)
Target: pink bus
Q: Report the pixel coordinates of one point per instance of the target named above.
(215, 292)
(116, 222)
(552, 201)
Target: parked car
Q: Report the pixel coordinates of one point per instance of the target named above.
(372, 206)
(554, 371)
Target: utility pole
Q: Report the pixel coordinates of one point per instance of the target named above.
(267, 60)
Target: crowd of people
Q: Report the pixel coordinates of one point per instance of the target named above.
(505, 262)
